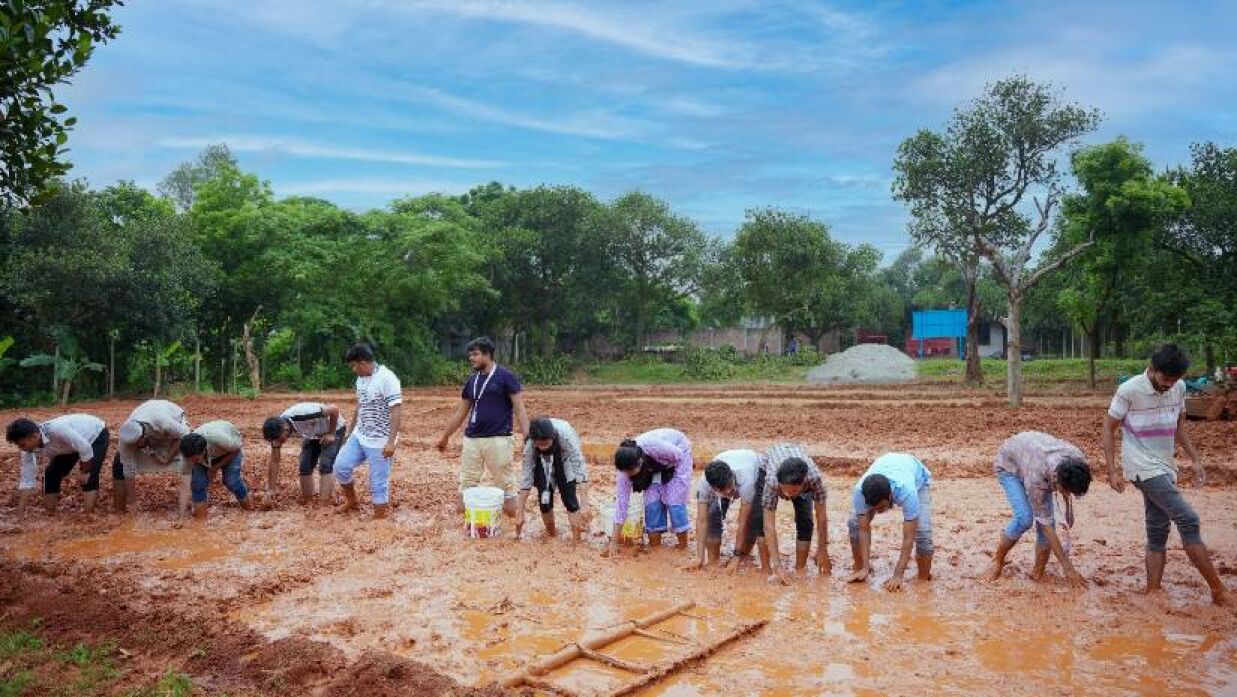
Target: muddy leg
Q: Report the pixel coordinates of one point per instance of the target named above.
(551, 529)
(326, 489)
(682, 536)
(307, 488)
(1041, 563)
(762, 549)
(655, 540)
(1202, 561)
(713, 547)
(1155, 570)
(51, 502)
(199, 511)
(380, 511)
(350, 502)
(123, 492)
(924, 562)
(509, 507)
(801, 551)
(998, 559)
(89, 500)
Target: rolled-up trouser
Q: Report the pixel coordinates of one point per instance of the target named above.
(61, 466)
(1024, 516)
(490, 454)
(353, 454)
(804, 525)
(199, 483)
(923, 531)
(312, 453)
(1163, 505)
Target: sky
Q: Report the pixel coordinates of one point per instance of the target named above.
(716, 106)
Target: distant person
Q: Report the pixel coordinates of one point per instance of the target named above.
(793, 347)
(1031, 467)
(791, 474)
(894, 479)
(732, 475)
(492, 402)
(657, 464)
(149, 441)
(554, 462)
(63, 442)
(1150, 411)
(321, 429)
(215, 446)
(375, 430)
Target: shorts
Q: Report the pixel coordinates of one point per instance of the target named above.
(493, 455)
(61, 466)
(313, 453)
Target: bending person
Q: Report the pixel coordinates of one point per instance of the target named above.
(732, 475)
(553, 461)
(149, 441)
(658, 464)
(791, 474)
(215, 446)
(894, 479)
(63, 442)
(321, 429)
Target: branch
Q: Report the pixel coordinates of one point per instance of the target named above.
(1055, 264)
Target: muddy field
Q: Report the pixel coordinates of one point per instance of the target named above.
(294, 601)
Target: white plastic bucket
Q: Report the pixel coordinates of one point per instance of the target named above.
(483, 511)
(633, 527)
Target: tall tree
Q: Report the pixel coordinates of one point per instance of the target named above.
(1121, 207)
(42, 44)
(970, 188)
(180, 186)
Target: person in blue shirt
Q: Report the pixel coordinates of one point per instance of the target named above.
(894, 479)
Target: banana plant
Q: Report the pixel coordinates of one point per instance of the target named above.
(5, 344)
(163, 359)
(67, 367)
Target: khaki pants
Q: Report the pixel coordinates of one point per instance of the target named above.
(493, 455)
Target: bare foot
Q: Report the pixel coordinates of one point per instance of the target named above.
(1221, 598)
(993, 572)
(1037, 573)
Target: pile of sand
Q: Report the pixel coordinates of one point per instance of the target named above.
(865, 364)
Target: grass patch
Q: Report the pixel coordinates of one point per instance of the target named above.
(1039, 372)
(655, 371)
(32, 667)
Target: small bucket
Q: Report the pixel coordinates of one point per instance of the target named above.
(483, 511)
(633, 527)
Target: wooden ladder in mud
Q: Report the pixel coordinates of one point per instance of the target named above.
(591, 647)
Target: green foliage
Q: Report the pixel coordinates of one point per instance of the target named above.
(706, 364)
(550, 370)
(43, 44)
(6, 343)
(1040, 372)
(15, 643)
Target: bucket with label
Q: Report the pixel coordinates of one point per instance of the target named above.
(633, 527)
(483, 511)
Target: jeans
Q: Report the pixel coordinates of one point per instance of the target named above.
(1164, 505)
(313, 453)
(1024, 518)
(923, 532)
(199, 482)
(353, 454)
(656, 513)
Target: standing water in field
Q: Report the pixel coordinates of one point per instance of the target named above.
(865, 364)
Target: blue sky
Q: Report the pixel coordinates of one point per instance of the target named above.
(715, 106)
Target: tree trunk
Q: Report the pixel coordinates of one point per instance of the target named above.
(56, 371)
(197, 363)
(158, 372)
(111, 368)
(1013, 355)
(251, 358)
(64, 395)
(1209, 355)
(974, 369)
(1093, 353)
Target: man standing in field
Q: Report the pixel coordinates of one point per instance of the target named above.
(375, 430)
(1150, 411)
(894, 479)
(63, 442)
(791, 474)
(149, 441)
(321, 429)
(215, 446)
(490, 401)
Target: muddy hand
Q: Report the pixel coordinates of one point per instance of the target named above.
(894, 584)
(1200, 475)
(1117, 482)
(694, 565)
(1076, 580)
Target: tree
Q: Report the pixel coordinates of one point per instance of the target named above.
(970, 188)
(180, 186)
(661, 255)
(1120, 209)
(1205, 236)
(67, 363)
(42, 44)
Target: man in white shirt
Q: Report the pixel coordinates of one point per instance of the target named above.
(375, 430)
(63, 442)
(732, 475)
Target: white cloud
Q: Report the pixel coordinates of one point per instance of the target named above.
(594, 124)
(396, 186)
(245, 143)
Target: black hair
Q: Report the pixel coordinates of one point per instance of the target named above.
(192, 444)
(359, 352)
(541, 428)
(273, 427)
(719, 475)
(1074, 476)
(875, 489)
(484, 344)
(627, 456)
(1170, 360)
(793, 470)
(19, 429)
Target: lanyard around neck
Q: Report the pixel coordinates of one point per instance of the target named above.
(476, 397)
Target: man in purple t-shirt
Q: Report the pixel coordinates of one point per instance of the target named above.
(491, 399)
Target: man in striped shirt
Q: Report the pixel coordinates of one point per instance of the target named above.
(790, 473)
(375, 430)
(1150, 412)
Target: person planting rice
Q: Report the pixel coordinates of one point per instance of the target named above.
(733, 474)
(790, 473)
(321, 429)
(658, 464)
(553, 461)
(63, 442)
(1031, 466)
(1150, 411)
(490, 402)
(894, 479)
(375, 430)
(215, 446)
(149, 440)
